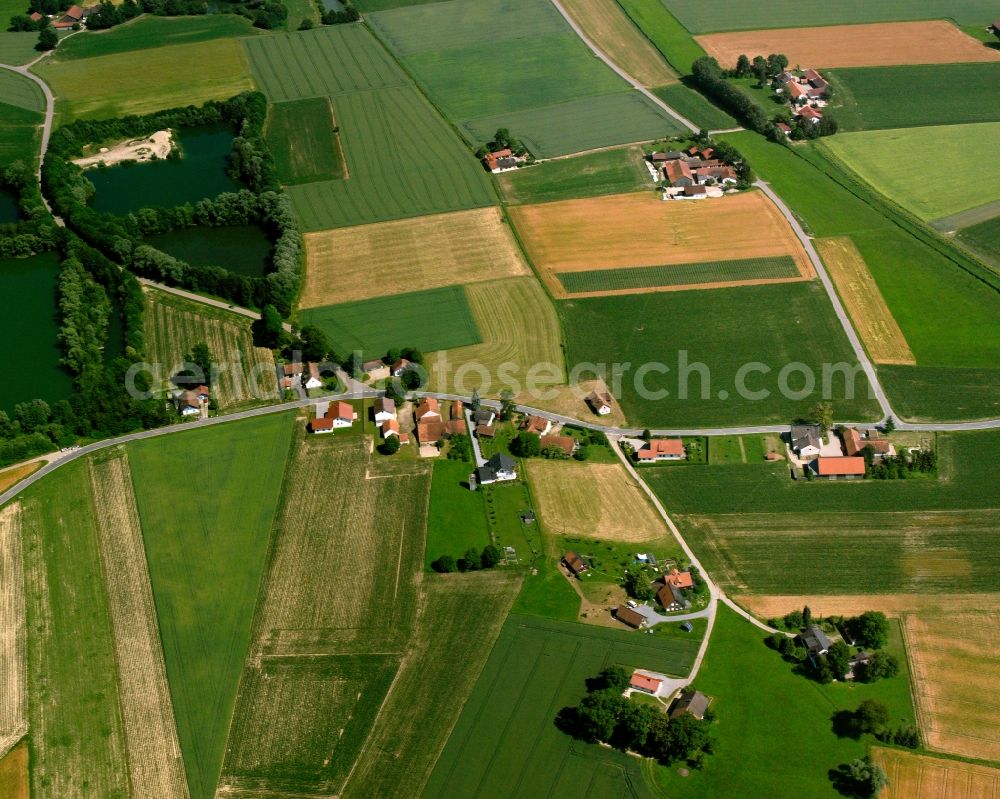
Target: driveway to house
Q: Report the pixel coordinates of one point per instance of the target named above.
(654, 617)
(480, 460)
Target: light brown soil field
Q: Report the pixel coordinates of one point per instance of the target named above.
(14, 773)
(459, 613)
(950, 641)
(874, 45)
(921, 777)
(864, 302)
(631, 230)
(13, 676)
(519, 327)
(612, 31)
(175, 325)
(155, 763)
(408, 255)
(15, 474)
(598, 500)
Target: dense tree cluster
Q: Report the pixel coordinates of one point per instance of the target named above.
(84, 310)
(473, 560)
(901, 466)
(502, 140)
(36, 231)
(860, 778)
(331, 16)
(710, 78)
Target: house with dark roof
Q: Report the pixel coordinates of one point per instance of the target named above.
(672, 598)
(858, 662)
(806, 439)
(630, 616)
(693, 193)
(376, 370)
(498, 469)
(575, 563)
(484, 416)
(663, 157)
(600, 402)
(383, 410)
(692, 703)
(815, 641)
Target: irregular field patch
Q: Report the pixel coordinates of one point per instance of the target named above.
(695, 106)
(937, 393)
(149, 80)
(872, 45)
(175, 325)
(303, 137)
(436, 319)
(859, 291)
(14, 475)
(663, 30)
(20, 92)
(589, 175)
(629, 230)
(519, 327)
(409, 255)
(14, 773)
(13, 629)
(19, 132)
(596, 500)
(913, 776)
(154, 755)
(17, 48)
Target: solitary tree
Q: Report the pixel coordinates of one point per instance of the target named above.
(507, 405)
(871, 716)
(390, 446)
(839, 658)
(871, 628)
(269, 330)
(822, 414)
(807, 616)
(742, 66)
(315, 346)
(759, 68)
(890, 424)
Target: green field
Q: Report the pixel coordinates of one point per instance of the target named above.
(77, 741)
(689, 103)
(939, 392)
(147, 32)
(882, 97)
(591, 175)
(382, 5)
(663, 30)
(578, 125)
(885, 158)
(641, 277)
(914, 271)
(436, 319)
(505, 743)
(736, 449)
(21, 92)
(302, 137)
(705, 16)
(19, 132)
(457, 519)
(767, 747)
(17, 48)
(984, 236)
(207, 501)
(724, 329)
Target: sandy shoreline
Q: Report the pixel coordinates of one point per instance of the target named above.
(156, 146)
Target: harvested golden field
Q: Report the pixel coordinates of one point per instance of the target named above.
(155, 764)
(428, 252)
(174, 325)
(864, 302)
(921, 777)
(14, 773)
(520, 332)
(15, 474)
(880, 44)
(13, 675)
(950, 641)
(636, 230)
(598, 500)
(614, 33)
(569, 401)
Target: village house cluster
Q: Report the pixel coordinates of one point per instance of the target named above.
(807, 92)
(837, 458)
(503, 160)
(692, 174)
(72, 16)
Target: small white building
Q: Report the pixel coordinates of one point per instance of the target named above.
(384, 409)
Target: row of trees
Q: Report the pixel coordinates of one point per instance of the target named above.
(604, 715)
(35, 231)
(763, 69)
(710, 78)
(84, 311)
(901, 466)
(473, 560)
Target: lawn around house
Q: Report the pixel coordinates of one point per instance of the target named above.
(457, 520)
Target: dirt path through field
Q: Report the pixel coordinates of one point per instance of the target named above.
(13, 678)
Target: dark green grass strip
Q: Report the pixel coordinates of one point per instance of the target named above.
(437, 319)
(304, 142)
(647, 277)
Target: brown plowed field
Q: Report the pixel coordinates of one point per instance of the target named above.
(881, 44)
(428, 252)
(635, 230)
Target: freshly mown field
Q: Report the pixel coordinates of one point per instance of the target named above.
(950, 94)
(457, 516)
(743, 677)
(459, 613)
(703, 16)
(771, 326)
(505, 742)
(663, 30)
(17, 48)
(596, 500)
(864, 302)
(175, 325)
(913, 271)
(13, 631)
(984, 236)
(14, 773)
(520, 341)
(607, 25)
(147, 32)
(591, 175)
(428, 252)
(207, 500)
(941, 393)
(303, 138)
(19, 132)
(628, 279)
(19, 91)
(154, 757)
(913, 776)
(77, 742)
(879, 45)
(148, 80)
(695, 107)
(630, 230)
(579, 125)
(884, 157)
(436, 319)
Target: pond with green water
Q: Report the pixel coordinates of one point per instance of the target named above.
(9, 211)
(29, 327)
(245, 249)
(200, 172)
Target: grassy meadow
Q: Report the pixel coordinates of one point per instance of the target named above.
(19, 134)
(663, 30)
(882, 97)
(723, 328)
(694, 106)
(17, 48)
(144, 81)
(940, 392)
(20, 92)
(591, 175)
(457, 519)
(302, 137)
(207, 500)
(984, 237)
(645, 277)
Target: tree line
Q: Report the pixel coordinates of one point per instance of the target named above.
(36, 230)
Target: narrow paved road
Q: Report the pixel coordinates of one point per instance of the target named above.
(214, 303)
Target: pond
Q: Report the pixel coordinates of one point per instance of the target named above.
(9, 211)
(29, 326)
(245, 249)
(200, 172)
